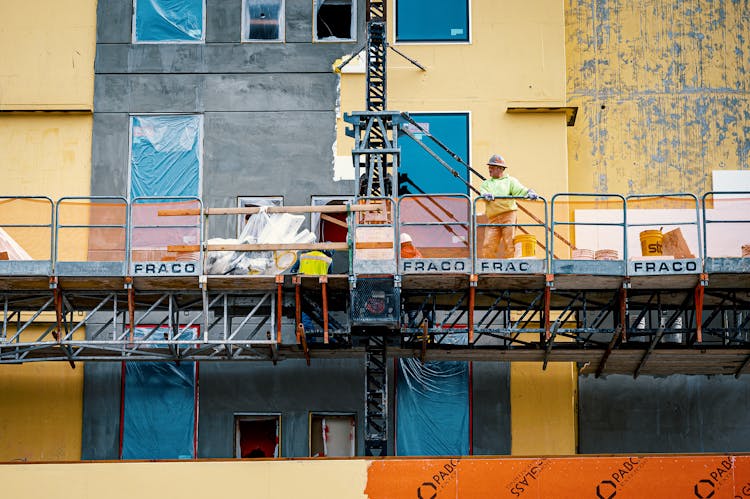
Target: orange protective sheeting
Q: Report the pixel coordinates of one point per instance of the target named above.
(703, 476)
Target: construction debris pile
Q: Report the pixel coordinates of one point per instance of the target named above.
(261, 228)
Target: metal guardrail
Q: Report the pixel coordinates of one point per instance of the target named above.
(388, 225)
(32, 267)
(431, 219)
(572, 265)
(722, 214)
(682, 265)
(90, 267)
(523, 265)
(162, 266)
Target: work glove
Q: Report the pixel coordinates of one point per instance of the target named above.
(532, 195)
(488, 197)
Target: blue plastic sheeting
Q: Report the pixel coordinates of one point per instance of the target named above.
(432, 404)
(420, 172)
(168, 20)
(159, 406)
(165, 155)
(432, 21)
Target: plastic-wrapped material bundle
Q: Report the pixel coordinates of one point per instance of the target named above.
(261, 228)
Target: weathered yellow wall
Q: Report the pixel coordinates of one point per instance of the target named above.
(46, 63)
(264, 479)
(516, 57)
(47, 53)
(41, 409)
(663, 93)
(543, 408)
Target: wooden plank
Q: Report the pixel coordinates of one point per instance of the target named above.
(334, 221)
(182, 212)
(183, 248)
(374, 245)
(275, 247)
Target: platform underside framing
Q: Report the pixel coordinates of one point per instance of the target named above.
(603, 323)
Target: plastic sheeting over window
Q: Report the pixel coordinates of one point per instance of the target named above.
(432, 404)
(169, 20)
(263, 20)
(165, 155)
(159, 404)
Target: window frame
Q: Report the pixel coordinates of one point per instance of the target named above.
(135, 41)
(256, 416)
(469, 24)
(323, 414)
(202, 120)
(324, 201)
(246, 26)
(353, 31)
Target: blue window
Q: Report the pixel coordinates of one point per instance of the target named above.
(421, 173)
(168, 20)
(432, 20)
(165, 155)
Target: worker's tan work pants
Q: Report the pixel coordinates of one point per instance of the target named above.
(498, 241)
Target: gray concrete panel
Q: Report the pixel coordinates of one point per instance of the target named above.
(491, 411)
(290, 388)
(299, 21)
(114, 19)
(101, 410)
(219, 58)
(109, 155)
(267, 154)
(619, 414)
(223, 21)
(200, 93)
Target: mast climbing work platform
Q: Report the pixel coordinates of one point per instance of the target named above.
(80, 278)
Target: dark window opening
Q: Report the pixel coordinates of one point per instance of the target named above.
(257, 436)
(334, 19)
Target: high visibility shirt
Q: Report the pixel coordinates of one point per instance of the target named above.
(503, 186)
(314, 263)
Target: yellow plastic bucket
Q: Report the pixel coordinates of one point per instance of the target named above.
(651, 242)
(525, 245)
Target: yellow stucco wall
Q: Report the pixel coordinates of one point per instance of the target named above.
(45, 154)
(543, 408)
(41, 409)
(47, 53)
(516, 57)
(663, 93)
(264, 479)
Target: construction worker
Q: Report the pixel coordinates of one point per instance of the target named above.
(498, 241)
(408, 250)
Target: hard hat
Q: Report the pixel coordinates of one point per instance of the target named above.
(405, 238)
(496, 160)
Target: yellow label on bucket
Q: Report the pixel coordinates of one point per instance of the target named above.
(651, 242)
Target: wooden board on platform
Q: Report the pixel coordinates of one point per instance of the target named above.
(435, 281)
(583, 282)
(91, 283)
(729, 281)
